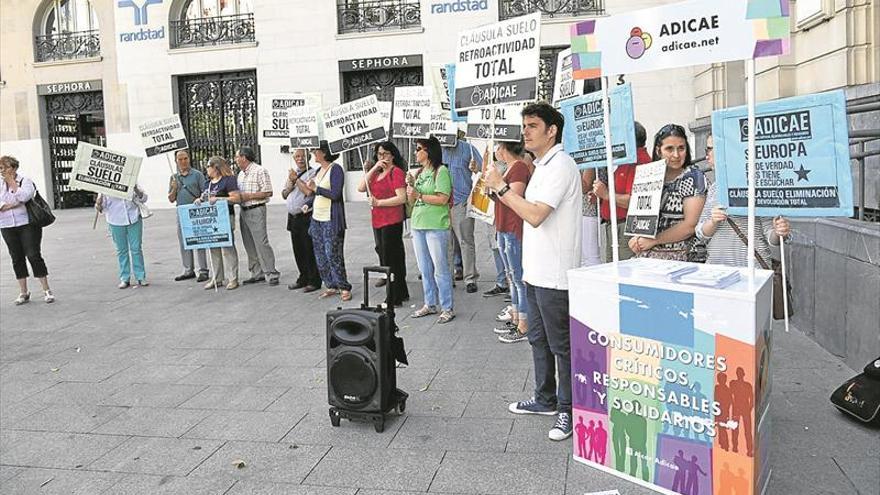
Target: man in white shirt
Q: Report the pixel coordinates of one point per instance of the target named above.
(551, 210)
(255, 187)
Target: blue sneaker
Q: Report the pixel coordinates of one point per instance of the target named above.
(562, 429)
(531, 406)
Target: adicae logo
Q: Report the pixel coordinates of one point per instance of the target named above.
(140, 12)
(637, 43)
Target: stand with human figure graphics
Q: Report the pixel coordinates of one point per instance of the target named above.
(670, 382)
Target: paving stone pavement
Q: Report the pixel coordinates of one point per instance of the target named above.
(160, 390)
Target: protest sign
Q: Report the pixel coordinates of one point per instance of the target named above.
(441, 86)
(304, 126)
(104, 171)
(481, 206)
(565, 86)
(385, 112)
(442, 127)
(498, 63)
(670, 381)
(801, 157)
(354, 124)
(205, 226)
(273, 115)
(457, 116)
(644, 202)
(411, 114)
(508, 123)
(584, 135)
(682, 34)
(163, 136)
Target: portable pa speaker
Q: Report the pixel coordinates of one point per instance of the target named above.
(362, 349)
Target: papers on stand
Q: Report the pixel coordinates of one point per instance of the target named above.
(710, 276)
(663, 268)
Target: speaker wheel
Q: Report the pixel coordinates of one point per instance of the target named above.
(334, 418)
(401, 407)
(379, 424)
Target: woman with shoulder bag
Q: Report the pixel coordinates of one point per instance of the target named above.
(21, 235)
(126, 228)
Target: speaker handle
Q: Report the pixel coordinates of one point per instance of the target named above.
(377, 269)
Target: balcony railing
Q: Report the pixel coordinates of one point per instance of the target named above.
(211, 31)
(68, 46)
(550, 8)
(377, 15)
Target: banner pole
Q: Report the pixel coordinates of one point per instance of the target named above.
(784, 281)
(364, 166)
(211, 264)
(609, 161)
(750, 90)
(171, 162)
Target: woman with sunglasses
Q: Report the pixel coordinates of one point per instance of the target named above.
(684, 194)
(429, 194)
(387, 189)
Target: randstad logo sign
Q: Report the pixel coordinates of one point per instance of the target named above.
(140, 14)
(459, 6)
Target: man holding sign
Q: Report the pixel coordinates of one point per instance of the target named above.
(551, 209)
(186, 186)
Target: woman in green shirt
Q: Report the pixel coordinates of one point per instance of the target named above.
(429, 195)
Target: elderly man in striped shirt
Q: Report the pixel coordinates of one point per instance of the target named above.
(255, 187)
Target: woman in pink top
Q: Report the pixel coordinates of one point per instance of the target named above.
(387, 188)
(22, 238)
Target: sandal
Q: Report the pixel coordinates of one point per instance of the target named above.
(328, 293)
(22, 298)
(346, 295)
(446, 316)
(424, 311)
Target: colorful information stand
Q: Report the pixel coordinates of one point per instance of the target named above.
(670, 382)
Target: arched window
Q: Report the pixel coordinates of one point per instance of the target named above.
(212, 22)
(68, 29)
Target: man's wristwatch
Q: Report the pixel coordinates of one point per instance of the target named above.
(503, 190)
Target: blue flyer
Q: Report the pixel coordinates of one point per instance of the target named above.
(450, 80)
(801, 157)
(583, 136)
(205, 226)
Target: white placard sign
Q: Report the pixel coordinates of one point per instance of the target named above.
(104, 171)
(442, 127)
(565, 86)
(508, 123)
(163, 135)
(385, 111)
(411, 115)
(274, 118)
(644, 204)
(441, 86)
(304, 125)
(354, 124)
(498, 63)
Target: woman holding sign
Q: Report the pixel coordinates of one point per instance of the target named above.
(684, 194)
(328, 223)
(429, 194)
(126, 228)
(222, 184)
(22, 238)
(387, 189)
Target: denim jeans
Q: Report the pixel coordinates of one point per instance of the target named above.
(551, 346)
(127, 239)
(430, 247)
(511, 253)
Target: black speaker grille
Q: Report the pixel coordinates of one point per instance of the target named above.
(353, 378)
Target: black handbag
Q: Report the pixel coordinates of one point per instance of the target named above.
(860, 395)
(38, 210)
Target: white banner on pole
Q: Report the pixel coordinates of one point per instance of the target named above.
(508, 123)
(354, 124)
(385, 111)
(162, 135)
(498, 63)
(273, 115)
(104, 171)
(442, 127)
(441, 86)
(565, 85)
(304, 125)
(411, 114)
(644, 203)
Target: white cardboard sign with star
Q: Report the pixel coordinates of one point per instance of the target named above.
(206, 225)
(801, 157)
